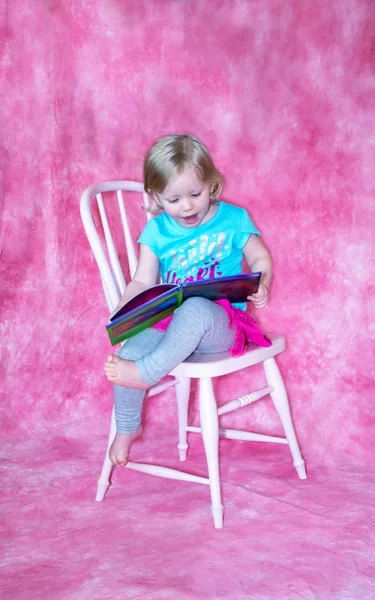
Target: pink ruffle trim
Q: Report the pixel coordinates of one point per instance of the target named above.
(245, 327)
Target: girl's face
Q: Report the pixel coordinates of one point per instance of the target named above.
(187, 200)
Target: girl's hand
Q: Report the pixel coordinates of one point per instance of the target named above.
(260, 299)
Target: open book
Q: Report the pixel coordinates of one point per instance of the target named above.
(159, 301)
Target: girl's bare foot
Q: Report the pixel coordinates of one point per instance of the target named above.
(124, 372)
(119, 450)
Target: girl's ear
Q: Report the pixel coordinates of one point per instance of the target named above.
(156, 200)
(215, 190)
(156, 204)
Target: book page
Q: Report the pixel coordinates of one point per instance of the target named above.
(142, 298)
(235, 288)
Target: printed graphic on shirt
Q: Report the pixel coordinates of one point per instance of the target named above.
(198, 259)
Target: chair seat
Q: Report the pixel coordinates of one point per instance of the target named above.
(222, 363)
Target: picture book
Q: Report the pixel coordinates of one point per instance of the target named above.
(159, 301)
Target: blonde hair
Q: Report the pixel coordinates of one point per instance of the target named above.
(170, 155)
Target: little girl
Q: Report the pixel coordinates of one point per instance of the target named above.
(195, 237)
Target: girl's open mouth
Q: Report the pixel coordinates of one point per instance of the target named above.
(191, 219)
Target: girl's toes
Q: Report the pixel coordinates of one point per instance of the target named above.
(112, 358)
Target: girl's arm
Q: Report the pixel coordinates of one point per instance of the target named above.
(145, 276)
(258, 259)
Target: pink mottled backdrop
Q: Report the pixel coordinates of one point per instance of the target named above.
(283, 93)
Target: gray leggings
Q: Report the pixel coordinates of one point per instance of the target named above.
(199, 325)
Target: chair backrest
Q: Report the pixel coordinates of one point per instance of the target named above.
(97, 202)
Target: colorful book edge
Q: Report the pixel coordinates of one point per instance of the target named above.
(122, 326)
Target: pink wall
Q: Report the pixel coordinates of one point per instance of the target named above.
(283, 94)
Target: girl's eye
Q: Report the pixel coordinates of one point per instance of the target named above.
(196, 195)
(173, 200)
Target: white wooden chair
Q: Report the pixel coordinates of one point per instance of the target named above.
(202, 367)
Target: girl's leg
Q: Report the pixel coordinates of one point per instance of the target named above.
(198, 325)
(128, 401)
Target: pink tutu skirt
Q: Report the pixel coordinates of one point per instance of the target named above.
(245, 328)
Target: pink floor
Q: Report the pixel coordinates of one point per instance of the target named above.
(283, 538)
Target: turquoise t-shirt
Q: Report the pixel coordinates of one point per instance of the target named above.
(213, 249)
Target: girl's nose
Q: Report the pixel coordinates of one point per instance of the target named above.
(188, 204)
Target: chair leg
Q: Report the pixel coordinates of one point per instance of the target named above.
(182, 396)
(210, 433)
(280, 400)
(104, 479)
